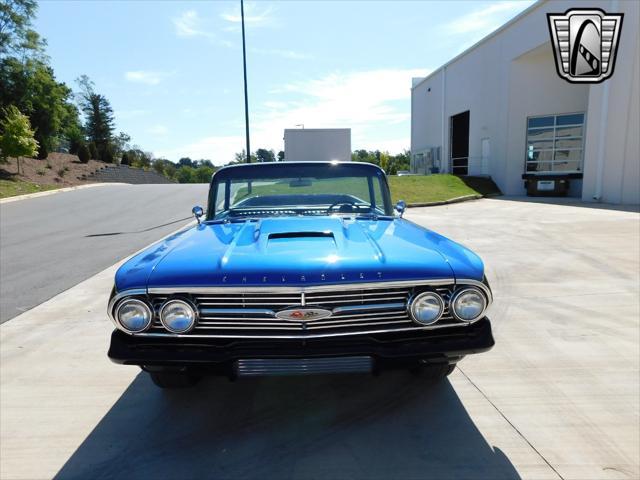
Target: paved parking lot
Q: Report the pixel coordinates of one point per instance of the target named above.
(558, 397)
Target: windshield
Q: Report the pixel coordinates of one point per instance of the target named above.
(299, 189)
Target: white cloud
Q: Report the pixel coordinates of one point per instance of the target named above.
(486, 20)
(189, 24)
(159, 130)
(253, 16)
(363, 101)
(146, 77)
(291, 54)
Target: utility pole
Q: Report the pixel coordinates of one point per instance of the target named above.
(246, 97)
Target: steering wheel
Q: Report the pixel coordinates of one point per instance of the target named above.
(342, 202)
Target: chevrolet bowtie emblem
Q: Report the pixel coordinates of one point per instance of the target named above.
(303, 314)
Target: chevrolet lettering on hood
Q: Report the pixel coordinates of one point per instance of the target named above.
(299, 267)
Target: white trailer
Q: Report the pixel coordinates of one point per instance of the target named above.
(317, 144)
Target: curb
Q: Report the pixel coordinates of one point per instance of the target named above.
(51, 192)
(446, 202)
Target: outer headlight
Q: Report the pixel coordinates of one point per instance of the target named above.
(427, 308)
(134, 315)
(178, 316)
(468, 304)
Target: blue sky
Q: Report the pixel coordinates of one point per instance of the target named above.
(173, 70)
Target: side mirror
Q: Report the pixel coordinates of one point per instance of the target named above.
(401, 207)
(197, 212)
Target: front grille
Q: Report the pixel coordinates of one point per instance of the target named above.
(354, 311)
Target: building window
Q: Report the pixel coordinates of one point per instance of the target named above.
(555, 143)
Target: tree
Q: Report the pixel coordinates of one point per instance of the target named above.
(121, 143)
(83, 153)
(241, 157)
(186, 162)
(205, 163)
(75, 137)
(125, 159)
(93, 151)
(169, 170)
(108, 154)
(185, 175)
(31, 86)
(99, 121)
(383, 159)
(203, 174)
(281, 156)
(264, 155)
(17, 137)
(16, 35)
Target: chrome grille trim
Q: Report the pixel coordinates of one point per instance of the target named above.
(297, 290)
(358, 309)
(303, 366)
(303, 336)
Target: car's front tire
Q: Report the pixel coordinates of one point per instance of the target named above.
(173, 380)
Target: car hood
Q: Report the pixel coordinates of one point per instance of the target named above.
(287, 251)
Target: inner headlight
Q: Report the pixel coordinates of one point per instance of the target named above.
(468, 304)
(178, 316)
(134, 315)
(427, 308)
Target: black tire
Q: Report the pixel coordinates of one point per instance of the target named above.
(434, 373)
(174, 379)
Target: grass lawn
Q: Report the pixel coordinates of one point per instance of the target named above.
(410, 188)
(11, 188)
(437, 188)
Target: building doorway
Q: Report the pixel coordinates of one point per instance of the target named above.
(459, 156)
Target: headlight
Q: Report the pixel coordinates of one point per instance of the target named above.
(427, 308)
(178, 316)
(134, 315)
(468, 304)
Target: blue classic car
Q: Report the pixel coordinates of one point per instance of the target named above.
(299, 268)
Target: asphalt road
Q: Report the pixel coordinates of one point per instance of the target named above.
(556, 398)
(48, 244)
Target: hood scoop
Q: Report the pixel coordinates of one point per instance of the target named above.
(284, 235)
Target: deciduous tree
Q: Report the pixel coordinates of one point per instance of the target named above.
(16, 136)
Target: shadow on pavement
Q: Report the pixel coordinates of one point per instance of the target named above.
(393, 426)
(138, 231)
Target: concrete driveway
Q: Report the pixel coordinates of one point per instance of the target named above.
(558, 397)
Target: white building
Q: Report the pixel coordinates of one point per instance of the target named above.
(317, 144)
(482, 112)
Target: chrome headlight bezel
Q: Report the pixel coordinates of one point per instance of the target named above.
(185, 304)
(140, 303)
(414, 304)
(463, 291)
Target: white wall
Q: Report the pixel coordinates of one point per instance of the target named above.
(511, 75)
(317, 144)
(621, 168)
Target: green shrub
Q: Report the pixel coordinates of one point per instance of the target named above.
(84, 154)
(93, 151)
(48, 166)
(61, 172)
(40, 172)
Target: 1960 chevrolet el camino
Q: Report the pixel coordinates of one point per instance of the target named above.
(299, 268)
